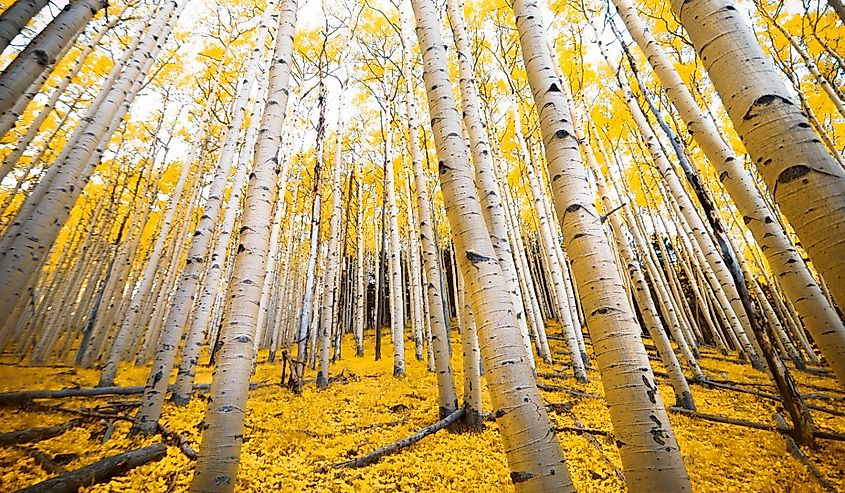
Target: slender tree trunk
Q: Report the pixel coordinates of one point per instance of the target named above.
(651, 456)
(333, 258)
(535, 458)
(447, 397)
(16, 17)
(43, 51)
(815, 311)
(216, 468)
(154, 394)
(805, 180)
(397, 318)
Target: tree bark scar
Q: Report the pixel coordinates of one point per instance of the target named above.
(793, 173)
(41, 57)
(520, 476)
(657, 433)
(476, 258)
(442, 168)
(762, 102)
(652, 390)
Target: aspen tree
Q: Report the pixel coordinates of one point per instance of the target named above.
(41, 216)
(16, 17)
(471, 358)
(815, 311)
(482, 159)
(446, 395)
(301, 334)
(535, 458)
(124, 332)
(43, 51)
(360, 271)
(526, 280)
(11, 159)
(651, 457)
(217, 259)
(804, 179)
(154, 392)
(700, 242)
(217, 464)
(332, 255)
(558, 291)
(397, 319)
(414, 272)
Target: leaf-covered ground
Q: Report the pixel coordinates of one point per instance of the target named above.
(288, 437)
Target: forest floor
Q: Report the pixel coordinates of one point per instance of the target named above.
(288, 437)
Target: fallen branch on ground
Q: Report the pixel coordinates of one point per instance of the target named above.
(23, 396)
(100, 471)
(567, 409)
(817, 433)
(796, 452)
(370, 458)
(179, 439)
(45, 461)
(37, 434)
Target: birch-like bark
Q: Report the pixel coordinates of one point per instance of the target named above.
(41, 216)
(154, 393)
(305, 315)
(446, 395)
(199, 323)
(558, 291)
(11, 159)
(651, 456)
(44, 50)
(360, 269)
(333, 254)
(16, 17)
(216, 468)
(816, 313)
(535, 458)
(482, 158)
(397, 318)
(805, 180)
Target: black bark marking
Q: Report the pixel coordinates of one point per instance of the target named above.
(763, 101)
(793, 173)
(657, 433)
(652, 390)
(476, 258)
(520, 476)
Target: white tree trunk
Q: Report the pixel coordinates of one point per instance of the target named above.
(805, 180)
(154, 393)
(16, 17)
(216, 468)
(651, 456)
(535, 458)
(44, 50)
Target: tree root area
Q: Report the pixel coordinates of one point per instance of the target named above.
(288, 437)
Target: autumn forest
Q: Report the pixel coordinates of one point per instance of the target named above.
(422, 246)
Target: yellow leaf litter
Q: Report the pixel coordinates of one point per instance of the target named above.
(288, 437)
